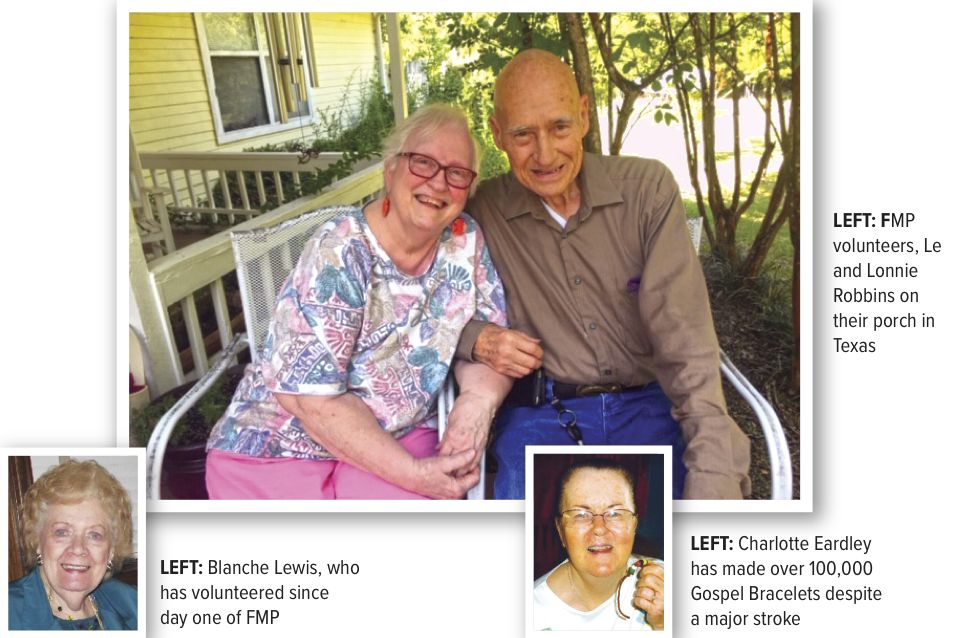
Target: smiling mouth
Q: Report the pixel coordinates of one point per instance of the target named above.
(599, 549)
(69, 567)
(547, 173)
(438, 204)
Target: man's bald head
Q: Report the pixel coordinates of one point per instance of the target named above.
(532, 68)
(539, 120)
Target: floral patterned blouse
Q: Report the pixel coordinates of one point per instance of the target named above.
(347, 320)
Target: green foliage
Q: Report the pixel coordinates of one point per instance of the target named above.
(637, 43)
(364, 135)
(459, 71)
(769, 292)
(194, 427)
(490, 40)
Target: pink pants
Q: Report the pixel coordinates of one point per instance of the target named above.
(242, 477)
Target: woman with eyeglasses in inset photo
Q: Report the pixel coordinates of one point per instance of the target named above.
(602, 585)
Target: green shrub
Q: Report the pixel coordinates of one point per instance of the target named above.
(194, 426)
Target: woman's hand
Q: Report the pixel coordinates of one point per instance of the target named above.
(482, 390)
(468, 427)
(448, 477)
(650, 594)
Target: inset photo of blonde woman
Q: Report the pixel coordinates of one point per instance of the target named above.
(75, 538)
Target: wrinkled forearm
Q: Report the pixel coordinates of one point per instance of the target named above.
(487, 384)
(346, 428)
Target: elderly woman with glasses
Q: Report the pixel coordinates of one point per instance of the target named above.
(343, 403)
(602, 586)
(77, 518)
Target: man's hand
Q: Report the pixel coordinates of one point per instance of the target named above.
(509, 352)
(650, 594)
(468, 427)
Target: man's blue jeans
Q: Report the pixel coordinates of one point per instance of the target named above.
(634, 417)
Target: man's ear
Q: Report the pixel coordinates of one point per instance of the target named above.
(584, 113)
(497, 132)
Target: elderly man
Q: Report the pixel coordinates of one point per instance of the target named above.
(605, 293)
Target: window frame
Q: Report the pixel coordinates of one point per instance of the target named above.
(267, 64)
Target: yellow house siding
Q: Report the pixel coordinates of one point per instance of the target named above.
(162, 20)
(173, 47)
(345, 51)
(145, 116)
(169, 101)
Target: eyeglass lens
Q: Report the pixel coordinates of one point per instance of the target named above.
(611, 518)
(427, 167)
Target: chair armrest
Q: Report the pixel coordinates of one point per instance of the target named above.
(156, 447)
(780, 465)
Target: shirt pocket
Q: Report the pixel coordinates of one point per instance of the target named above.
(626, 307)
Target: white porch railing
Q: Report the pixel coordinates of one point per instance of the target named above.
(230, 184)
(172, 280)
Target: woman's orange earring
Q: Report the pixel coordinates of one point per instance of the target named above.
(386, 206)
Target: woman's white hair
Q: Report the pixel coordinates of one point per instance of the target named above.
(422, 124)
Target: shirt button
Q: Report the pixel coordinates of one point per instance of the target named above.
(608, 372)
(577, 280)
(593, 326)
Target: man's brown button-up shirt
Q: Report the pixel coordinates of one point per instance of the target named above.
(618, 296)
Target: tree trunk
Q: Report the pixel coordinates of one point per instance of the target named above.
(630, 89)
(689, 125)
(576, 38)
(526, 29)
(610, 88)
(794, 219)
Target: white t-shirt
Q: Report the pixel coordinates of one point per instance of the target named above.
(554, 214)
(551, 613)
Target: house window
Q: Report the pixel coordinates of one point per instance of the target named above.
(258, 72)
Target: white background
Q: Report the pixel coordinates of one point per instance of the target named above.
(885, 140)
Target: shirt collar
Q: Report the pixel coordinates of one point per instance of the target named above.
(598, 190)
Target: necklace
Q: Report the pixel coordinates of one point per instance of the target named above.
(93, 603)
